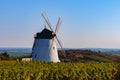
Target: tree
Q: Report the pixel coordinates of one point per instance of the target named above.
(5, 54)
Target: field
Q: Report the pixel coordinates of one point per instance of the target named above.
(77, 65)
(36, 70)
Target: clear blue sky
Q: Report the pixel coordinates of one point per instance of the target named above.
(85, 23)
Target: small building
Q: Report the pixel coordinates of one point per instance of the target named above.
(26, 59)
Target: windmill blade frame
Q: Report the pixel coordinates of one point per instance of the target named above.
(47, 20)
(58, 25)
(63, 52)
(54, 32)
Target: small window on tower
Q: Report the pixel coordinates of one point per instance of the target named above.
(53, 48)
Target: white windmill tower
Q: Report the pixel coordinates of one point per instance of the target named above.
(44, 47)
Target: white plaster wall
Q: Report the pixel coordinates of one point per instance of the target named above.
(54, 53)
(41, 49)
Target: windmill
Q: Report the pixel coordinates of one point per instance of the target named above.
(44, 47)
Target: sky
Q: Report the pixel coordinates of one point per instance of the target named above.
(85, 23)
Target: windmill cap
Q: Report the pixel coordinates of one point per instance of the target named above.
(44, 34)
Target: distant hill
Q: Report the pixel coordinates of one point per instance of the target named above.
(106, 50)
(16, 52)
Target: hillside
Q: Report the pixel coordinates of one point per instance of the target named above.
(88, 56)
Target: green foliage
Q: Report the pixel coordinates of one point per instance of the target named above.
(4, 56)
(36, 70)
